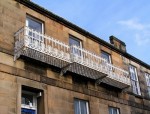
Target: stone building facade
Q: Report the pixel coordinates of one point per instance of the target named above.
(51, 66)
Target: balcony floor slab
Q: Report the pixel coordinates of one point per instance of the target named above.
(114, 83)
(85, 71)
(34, 54)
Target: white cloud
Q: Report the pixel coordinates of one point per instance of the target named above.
(140, 31)
(133, 24)
(142, 40)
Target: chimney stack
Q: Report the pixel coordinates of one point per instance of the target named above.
(117, 43)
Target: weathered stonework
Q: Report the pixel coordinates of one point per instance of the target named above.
(59, 90)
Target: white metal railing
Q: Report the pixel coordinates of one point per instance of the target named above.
(88, 59)
(30, 38)
(98, 63)
(118, 74)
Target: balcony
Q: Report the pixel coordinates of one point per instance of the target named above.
(117, 77)
(43, 48)
(92, 66)
(87, 64)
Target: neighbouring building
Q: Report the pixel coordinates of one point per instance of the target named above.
(51, 66)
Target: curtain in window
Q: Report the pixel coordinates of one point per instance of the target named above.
(77, 107)
(80, 106)
(113, 110)
(74, 41)
(83, 107)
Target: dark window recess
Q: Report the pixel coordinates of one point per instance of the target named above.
(80, 81)
(26, 98)
(36, 67)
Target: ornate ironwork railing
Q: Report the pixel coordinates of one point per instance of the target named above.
(88, 59)
(28, 38)
(118, 74)
(98, 63)
(43, 44)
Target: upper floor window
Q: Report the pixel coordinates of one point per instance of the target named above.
(74, 41)
(81, 107)
(106, 56)
(113, 110)
(34, 24)
(134, 80)
(147, 76)
(35, 39)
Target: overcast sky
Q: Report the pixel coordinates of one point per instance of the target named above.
(128, 20)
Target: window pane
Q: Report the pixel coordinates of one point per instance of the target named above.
(83, 107)
(33, 24)
(76, 107)
(35, 39)
(110, 111)
(133, 76)
(106, 56)
(147, 76)
(26, 99)
(80, 106)
(149, 90)
(74, 41)
(113, 110)
(134, 80)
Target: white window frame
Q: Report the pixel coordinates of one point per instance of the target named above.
(114, 108)
(136, 88)
(34, 105)
(147, 77)
(87, 105)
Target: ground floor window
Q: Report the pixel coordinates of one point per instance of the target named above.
(81, 106)
(113, 110)
(28, 102)
(32, 101)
